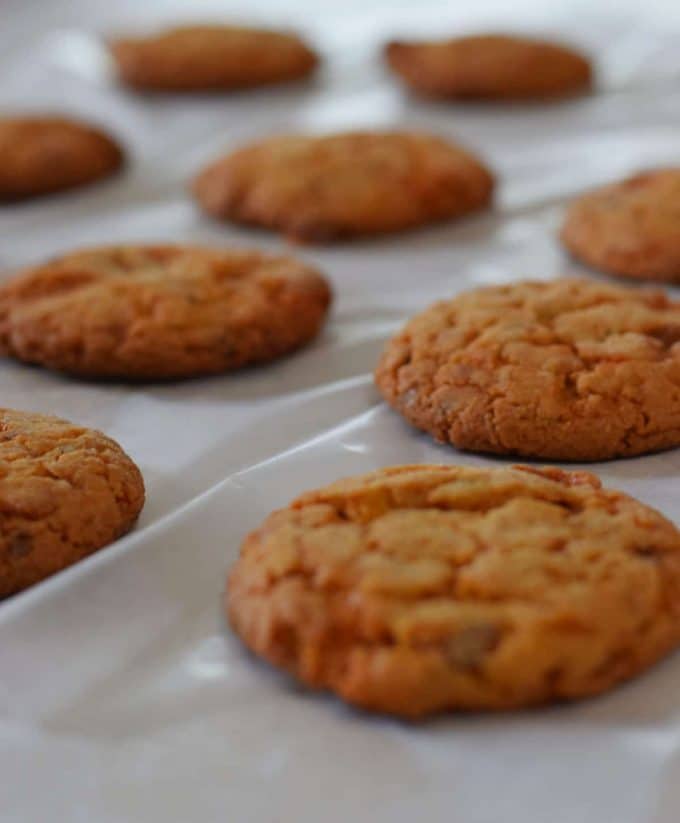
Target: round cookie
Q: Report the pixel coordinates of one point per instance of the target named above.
(490, 67)
(211, 58)
(565, 370)
(344, 185)
(418, 589)
(65, 492)
(629, 228)
(157, 312)
(41, 155)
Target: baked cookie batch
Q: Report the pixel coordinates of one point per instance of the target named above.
(416, 589)
(566, 369)
(46, 154)
(211, 58)
(65, 491)
(345, 185)
(413, 589)
(160, 312)
(490, 67)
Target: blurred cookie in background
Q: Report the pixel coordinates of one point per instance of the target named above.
(160, 312)
(339, 186)
(490, 67)
(211, 58)
(44, 154)
(629, 228)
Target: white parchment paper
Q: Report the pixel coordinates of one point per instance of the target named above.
(122, 695)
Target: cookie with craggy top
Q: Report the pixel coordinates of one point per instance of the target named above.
(490, 67)
(565, 370)
(65, 492)
(345, 185)
(159, 312)
(630, 228)
(418, 589)
(211, 58)
(43, 155)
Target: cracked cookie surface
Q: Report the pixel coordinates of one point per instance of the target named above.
(42, 155)
(565, 370)
(345, 185)
(491, 66)
(211, 58)
(418, 589)
(65, 492)
(160, 312)
(630, 228)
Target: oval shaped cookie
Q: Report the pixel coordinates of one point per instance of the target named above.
(157, 312)
(418, 589)
(345, 185)
(211, 58)
(565, 370)
(65, 492)
(630, 228)
(491, 66)
(42, 155)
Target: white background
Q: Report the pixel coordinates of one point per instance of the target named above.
(122, 695)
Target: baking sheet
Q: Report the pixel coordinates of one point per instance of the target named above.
(122, 696)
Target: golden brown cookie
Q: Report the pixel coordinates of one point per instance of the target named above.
(41, 155)
(418, 589)
(488, 67)
(564, 370)
(211, 58)
(344, 185)
(631, 228)
(65, 492)
(157, 312)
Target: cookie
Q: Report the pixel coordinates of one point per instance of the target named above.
(344, 185)
(65, 492)
(490, 67)
(159, 312)
(564, 370)
(631, 228)
(211, 58)
(419, 589)
(42, 155)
